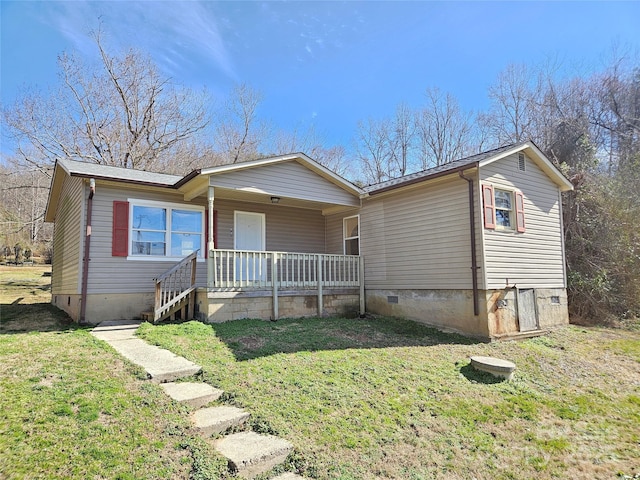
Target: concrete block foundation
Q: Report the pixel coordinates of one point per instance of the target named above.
(452, 310)
(217, 307)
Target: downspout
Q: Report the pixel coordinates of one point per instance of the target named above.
(87, 246)
(474, 259)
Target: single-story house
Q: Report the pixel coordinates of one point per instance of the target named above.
(474, 246)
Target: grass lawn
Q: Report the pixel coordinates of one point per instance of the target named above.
(385, 398)
(71, 407)
(359, 399)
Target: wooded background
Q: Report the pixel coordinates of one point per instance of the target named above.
(124, 112)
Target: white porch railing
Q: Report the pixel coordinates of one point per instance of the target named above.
(244, 270)
(252, 270)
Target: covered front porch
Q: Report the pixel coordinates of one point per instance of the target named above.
(271, 285)
(276, 241)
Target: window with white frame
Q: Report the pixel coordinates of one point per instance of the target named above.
(351, 235)
(503, 209)
(165, 230)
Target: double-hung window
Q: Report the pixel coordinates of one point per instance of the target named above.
(156, 229)
(503, 209)
(351, 235)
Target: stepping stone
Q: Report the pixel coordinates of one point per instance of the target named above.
(252, 454)
(161, 365)
(289, 476)
(195, 394)
(113, 330)
(495, 366)
(214, 420)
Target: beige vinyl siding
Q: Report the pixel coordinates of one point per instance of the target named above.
(334, 231)
(67, 235)
(287, 229)
(287, 179)
(533, 259)
(108, 274)
(419, 238)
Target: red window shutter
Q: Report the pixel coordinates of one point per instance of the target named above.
(520, 226)
(488, 201)
(120, 233)
(206, 231)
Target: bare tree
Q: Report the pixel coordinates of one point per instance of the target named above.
(123, 113)
(23, 195)
(402, 137)
(238, 133)
(312, 144)
(514, 98)
(444, 131)
(375, 150)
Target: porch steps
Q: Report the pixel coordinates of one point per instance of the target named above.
(214, 420)
(196, 395)
(251, 454)
(149, 315)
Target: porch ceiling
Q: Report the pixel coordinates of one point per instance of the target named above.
(252, 195)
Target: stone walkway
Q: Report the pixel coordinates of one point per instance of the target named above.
(248, 453)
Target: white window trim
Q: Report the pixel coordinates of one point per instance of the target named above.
(512, 216)
(344, 233)
(169, 206)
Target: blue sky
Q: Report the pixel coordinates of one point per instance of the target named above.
(324, 63)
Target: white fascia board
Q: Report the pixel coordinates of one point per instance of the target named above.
(300, 157)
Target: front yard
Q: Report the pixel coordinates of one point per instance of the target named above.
(359, 399)
(385, 398)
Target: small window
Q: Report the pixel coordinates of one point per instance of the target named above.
(555, 300)
(521, 162)
(504, 209)
(351, 234)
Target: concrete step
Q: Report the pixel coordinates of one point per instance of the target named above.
(251, 454)
(195, 394)
(161, 365)
(115, 330)
(214, 420)
(288, 476)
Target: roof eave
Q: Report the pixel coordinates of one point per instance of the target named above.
(413, 181)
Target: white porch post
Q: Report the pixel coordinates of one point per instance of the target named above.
(361, 281)
(274, 284)
(211, 243)
(319, 275)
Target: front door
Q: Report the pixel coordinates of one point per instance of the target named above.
(527, 315)
(250, 235)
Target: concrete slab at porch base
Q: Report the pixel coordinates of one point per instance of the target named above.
(161, 365)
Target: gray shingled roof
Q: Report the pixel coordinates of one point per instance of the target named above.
(424, 174)
(106, 172)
